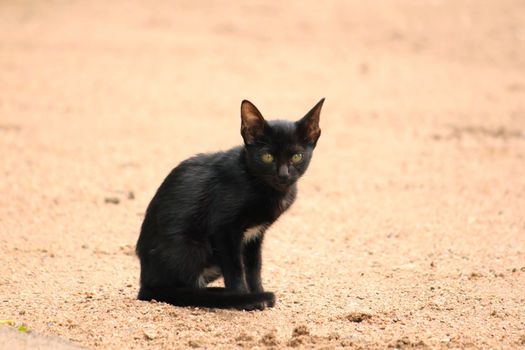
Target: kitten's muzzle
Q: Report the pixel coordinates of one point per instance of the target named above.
(283, 174)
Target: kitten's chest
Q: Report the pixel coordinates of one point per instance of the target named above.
(252, 233)
(264, 210)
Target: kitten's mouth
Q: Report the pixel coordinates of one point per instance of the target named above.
(281, 184)
(278, 184)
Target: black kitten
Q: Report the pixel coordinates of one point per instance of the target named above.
(209, 216)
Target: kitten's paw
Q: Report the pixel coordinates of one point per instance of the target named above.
(256, 307)
(261, 306)
(270, 303)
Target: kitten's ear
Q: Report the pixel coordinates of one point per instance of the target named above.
(308, 126)
(253, 125)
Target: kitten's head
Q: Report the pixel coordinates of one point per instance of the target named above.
(279, 151)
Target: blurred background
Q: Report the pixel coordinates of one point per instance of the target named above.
(417, 178)
(143, 80)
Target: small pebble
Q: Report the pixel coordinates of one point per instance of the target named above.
(112, 200)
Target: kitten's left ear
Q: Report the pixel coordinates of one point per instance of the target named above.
(253, 125)
(308, 126)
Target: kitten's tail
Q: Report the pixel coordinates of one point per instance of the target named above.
(220, 298)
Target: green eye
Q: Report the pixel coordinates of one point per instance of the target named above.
(296, 158)
(267, 158)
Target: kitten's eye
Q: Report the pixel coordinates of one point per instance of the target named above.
(267, 158)
(296, 158)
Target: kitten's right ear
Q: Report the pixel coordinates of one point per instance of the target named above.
(309, 125)
(253, 125)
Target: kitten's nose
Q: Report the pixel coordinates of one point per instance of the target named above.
(283, 172)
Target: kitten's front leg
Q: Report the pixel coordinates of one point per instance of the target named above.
(229, 254)
(253, 263)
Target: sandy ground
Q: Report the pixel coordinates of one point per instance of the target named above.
(13, 339)
(409, 230)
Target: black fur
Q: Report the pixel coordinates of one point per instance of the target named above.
(195, 228)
